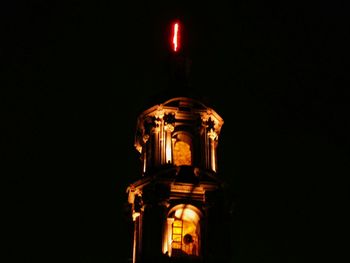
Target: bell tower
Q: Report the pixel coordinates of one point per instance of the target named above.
(178, 205)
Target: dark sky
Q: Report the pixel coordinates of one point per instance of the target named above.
(76, 74)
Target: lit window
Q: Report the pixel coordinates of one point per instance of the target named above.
(182, 153)
(183, 232)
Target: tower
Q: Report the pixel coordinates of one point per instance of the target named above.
(178, 205)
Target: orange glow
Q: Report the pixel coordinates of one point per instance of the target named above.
(185, 231)
(182, 232)
(135, 215)
(187, 214)
(168, 143)
(213, 161)
(182, 154)
(176, 37)
(144, 163)
(168, 237)
(168, 153)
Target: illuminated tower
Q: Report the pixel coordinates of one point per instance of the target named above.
(178, 204)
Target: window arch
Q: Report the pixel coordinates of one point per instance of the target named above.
(183, 233)
(182, 149)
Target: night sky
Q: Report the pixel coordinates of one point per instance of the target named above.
(76, 74)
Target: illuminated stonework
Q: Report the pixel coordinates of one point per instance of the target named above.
(179, 189)
(176, 132)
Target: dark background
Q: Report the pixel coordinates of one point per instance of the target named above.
(76, 74)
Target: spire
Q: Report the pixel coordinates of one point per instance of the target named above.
(179, 64)
(177, 68)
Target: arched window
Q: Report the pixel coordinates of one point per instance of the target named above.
(182, 151)
(182, 234)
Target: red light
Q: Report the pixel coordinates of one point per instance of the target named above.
(176, 37)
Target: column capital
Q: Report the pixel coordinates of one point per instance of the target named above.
(213, 134)
(169, 127)
(145, 138)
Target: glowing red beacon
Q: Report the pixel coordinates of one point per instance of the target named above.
(176, 36)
